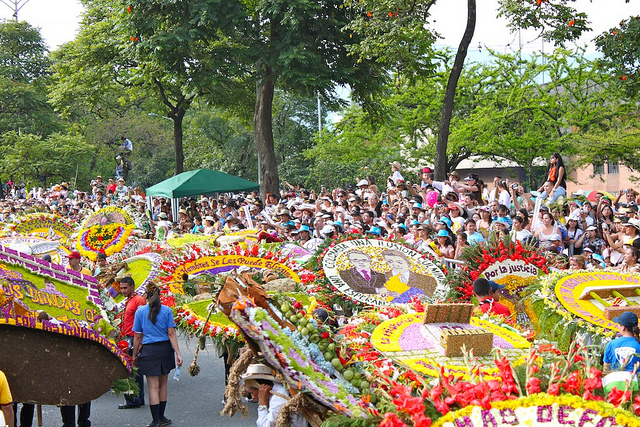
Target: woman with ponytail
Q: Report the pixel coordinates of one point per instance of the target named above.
(154, 344)
(623, 353)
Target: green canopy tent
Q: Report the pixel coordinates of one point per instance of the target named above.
(197, 182)
(200, 181)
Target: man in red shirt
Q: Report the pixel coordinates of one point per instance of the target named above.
(486, 302)
(133, 301)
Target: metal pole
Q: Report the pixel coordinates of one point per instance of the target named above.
(319, 116)
(15, 6)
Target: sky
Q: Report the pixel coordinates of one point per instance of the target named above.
(59, 19)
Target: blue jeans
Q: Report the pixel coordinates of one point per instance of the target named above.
(560, 191)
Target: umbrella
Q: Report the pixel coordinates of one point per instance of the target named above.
(592, 195)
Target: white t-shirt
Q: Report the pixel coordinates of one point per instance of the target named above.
(505, 199)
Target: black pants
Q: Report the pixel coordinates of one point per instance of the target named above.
(139, 399)
(69, 414)
(26, 414)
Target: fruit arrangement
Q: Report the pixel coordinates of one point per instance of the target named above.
(316, 332)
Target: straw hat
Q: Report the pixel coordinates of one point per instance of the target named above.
(258, 371)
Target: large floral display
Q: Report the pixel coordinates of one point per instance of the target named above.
(54, 317)
(584, 303)
(409, 341)
(106, 230)
(379, 272)
(44, 225)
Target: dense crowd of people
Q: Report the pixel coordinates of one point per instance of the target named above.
(440, 217)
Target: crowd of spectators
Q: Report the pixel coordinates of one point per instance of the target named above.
(440, 217)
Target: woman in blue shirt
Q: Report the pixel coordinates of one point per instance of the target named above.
(623, 353)
(154, 344)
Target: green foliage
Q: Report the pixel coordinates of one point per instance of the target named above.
(344, 421)
(39, 160)
(22, 52)
(354, 149)
(556, 21)
(621, 56)
(23, 74)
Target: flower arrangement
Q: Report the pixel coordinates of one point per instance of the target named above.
(108, 215)
(300, 363)
(43, 224)
(109, 238)
(551, 388)
(482, 256)
(222, 331)
(326, 291)
(561, 318)
(195, 259)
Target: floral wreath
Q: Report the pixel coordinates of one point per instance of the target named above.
(109, 239)
(39, 223)
(479, 257)
(326, 292)
(108, 215)
(556, 321)
(174, 260)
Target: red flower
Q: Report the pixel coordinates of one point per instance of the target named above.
(533, 385)
(587, 395)
(636, 405)
(554, 389)
(591, 384)
(573, 382)
(391, 420)
(616, 397)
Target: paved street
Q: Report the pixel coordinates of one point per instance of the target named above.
(193, 401)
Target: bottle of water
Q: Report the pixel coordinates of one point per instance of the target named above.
(176, 374)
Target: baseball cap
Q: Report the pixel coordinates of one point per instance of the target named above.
(495, 286)
(74, 255)
(374, 230)
(627, 319)
(443, 233)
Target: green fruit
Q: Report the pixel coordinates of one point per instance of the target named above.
(314, 338)
(364, 385)
(300, 328)
(357, 375)
(300, 315)
(348, 375)
(304, 321)
(336, 362)
(289, 313)
(285, 307)
(331, 346)
(365, 391)
(340, 368)
(322, 346)
(304, 331)
(328, 355)
(294, 319)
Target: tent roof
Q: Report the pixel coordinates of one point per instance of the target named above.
(200, 181)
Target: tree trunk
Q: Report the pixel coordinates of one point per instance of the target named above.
(177, 118)
(441, 165)
(263, 131)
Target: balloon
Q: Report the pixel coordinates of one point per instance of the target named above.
(432, 198)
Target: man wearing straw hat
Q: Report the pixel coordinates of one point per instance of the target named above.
(261, 383)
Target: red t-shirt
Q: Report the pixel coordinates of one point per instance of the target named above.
(111, 188)
(496, 307)
(130, 313)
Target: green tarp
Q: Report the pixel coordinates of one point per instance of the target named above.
(200, 181)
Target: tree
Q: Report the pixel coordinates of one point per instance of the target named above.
(148, 51)
(23, 74)
(621, 59)
(40, 160)
(555, 20)
(297, 46)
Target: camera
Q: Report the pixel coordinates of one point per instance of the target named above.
(515, 186)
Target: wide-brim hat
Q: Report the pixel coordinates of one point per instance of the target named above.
(259, 371)
(162, 215)
(209, 218)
